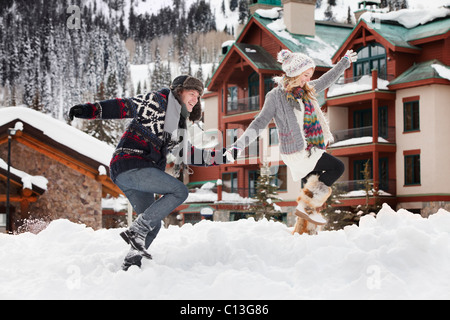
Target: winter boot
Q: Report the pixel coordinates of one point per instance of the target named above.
(136, 235)
(304, 211)
(318, 193)
(312, 197)
(133, 258)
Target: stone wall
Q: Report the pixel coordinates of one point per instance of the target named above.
(70, 194)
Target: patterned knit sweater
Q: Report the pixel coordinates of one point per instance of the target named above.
(144, 144)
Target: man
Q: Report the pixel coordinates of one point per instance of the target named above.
(138, 164)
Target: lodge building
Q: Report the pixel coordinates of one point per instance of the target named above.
(390, 109)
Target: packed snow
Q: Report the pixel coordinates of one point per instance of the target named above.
(397, 255)
(363, 84)
(27, 179)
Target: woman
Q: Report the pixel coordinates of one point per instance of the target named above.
(302, 129)
(158, 127)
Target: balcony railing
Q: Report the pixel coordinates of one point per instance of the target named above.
(243, 105)
(360, 83)
(362, 135)
(357, 188)
(342, 80)
(242, 192)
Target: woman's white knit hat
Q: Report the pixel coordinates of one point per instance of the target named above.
(295, 63)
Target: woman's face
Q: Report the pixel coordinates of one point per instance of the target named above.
(304, 78)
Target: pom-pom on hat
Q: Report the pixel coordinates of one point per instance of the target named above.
(295, 63)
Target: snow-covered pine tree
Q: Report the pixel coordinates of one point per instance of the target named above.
(244, 11)
(266, 195)
(103, 130)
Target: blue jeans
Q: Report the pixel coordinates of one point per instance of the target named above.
(140, 187)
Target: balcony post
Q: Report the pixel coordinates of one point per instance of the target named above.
(374, 79)
(224, 98)
(261, 91)
(374, 120)
(376, 169)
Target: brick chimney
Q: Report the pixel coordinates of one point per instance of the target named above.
(299, 16)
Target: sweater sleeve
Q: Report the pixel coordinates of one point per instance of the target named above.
(109, 109)
(331, 76)
(260, 123)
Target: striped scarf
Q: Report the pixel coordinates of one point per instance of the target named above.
(311, 125)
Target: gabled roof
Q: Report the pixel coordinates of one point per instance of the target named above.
(59, 132)
(258, 56)
(419, 72)
(328, 38)
(396, 36)
(60, 142)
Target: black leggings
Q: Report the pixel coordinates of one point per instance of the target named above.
(328, 168)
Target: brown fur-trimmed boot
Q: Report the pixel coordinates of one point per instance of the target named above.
(312, 197)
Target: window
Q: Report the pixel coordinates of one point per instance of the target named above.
(358, 169)
(232, 136)
(362, 118)
(232, 98)
(235, 216)
(230, 182)
(273, 136)
(280, 178)
(371, 57)
(383, 122)
(411, 116)
(269, 84)
(383, 171)
(252, 182)
(2, 220)
(412, 169)
(253, 91)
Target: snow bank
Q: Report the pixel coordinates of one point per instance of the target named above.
(397, 255)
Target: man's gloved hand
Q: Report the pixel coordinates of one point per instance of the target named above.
(351, 55)
(76, 111)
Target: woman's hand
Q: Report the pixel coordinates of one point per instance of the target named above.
(232, 154)
(351, 56)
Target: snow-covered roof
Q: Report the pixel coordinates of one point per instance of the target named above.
(28, 180)
(409, 18)
(60, 132)
(433, 69)
(321, 47)
(443, 71)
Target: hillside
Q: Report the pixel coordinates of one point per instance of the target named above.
(68, 54)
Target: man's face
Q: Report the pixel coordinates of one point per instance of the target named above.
(190, 98)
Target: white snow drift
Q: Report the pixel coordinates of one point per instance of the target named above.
(397, 255)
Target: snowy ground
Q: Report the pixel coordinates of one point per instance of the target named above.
(395, 256)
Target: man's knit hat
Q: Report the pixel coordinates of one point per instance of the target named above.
(295, 63)
(188, 83)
